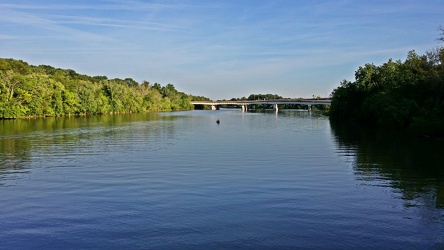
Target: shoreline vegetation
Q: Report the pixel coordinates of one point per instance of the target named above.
(28, 91)
(399, 96)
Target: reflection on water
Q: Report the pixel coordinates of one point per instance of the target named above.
(414, 166)
(24, 141)
(256, 180)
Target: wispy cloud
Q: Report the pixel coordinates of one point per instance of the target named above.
(105, 5)
(42, 23)
(225, 43)
(111, 22)
(76, 18)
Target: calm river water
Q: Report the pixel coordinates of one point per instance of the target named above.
(181, 181)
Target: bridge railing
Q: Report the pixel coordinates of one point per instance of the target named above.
(310, 101)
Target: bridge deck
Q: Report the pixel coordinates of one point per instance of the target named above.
(315, 101)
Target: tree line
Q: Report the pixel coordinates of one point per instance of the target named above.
(30, 91)
(404, 95)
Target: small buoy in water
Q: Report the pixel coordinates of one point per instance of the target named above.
(217, 121)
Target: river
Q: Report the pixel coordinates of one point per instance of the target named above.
(179, 180)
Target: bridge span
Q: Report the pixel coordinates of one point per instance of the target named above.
(215, 105)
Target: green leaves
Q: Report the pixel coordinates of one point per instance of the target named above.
(27, 90)
(395, 94)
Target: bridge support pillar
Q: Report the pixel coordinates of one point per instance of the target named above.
(215, 107)
(244, 108)
(309, 108)
(275, 108)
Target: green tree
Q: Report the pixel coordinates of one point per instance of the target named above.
(27, 90)
(395, 94)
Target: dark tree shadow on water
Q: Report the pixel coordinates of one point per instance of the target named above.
(412, 165)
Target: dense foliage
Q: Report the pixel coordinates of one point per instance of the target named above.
(27, 91)
(399, 95)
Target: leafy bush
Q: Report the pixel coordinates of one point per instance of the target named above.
(27, 90)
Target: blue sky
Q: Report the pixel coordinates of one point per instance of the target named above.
(220, 49)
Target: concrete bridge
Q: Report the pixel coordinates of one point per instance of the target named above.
(215, 105)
